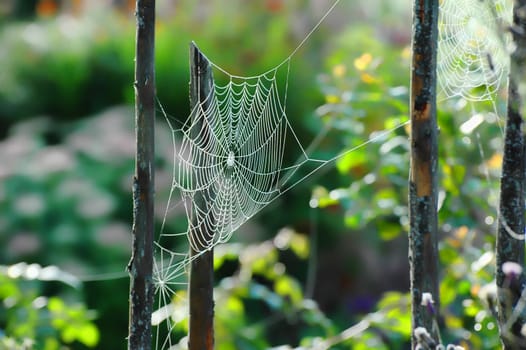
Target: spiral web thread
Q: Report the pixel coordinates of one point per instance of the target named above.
(473, 50)
(473, 63)
(473, 60)
(228, 165)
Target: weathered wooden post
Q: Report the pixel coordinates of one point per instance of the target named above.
(141, 263)
(423, 247)
(510, 231)
(201, 289)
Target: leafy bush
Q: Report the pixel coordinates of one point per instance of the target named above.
(69, 67)
(65, 67)
(60, 208)
(29, 319)
(365, 92)
(259, 304)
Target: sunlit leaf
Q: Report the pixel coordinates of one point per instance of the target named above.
(288, 287)
(332, 99)
(388, 231)
(495, 162)
(88, 335)
(452, 321)
(353, 221)
(361, 63)
(368, 78)
(56, 305)
(300, 245)
(351, 160)
(339, 70)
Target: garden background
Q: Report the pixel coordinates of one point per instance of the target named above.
(329, 254)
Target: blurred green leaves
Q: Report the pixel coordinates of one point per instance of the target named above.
(72, 324)
(66, 67)
(260, 304)
(365, 90)
(28, 318)
(397, 317)
(365, 96)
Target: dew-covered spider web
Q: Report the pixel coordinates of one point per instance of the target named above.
(230, 158)
(473, 63)
(230, 163)
(473, 49)
(236, 153)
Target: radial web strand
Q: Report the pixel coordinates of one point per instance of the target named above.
(473, 49)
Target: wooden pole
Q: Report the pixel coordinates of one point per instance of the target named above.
(201, 288)
(423, 245)
(141, 263)
(510, 231)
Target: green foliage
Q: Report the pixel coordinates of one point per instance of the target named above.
(54, 65)
(60, 208)
(368, 95)
(69, 67)
(29, 319)
(57, 200)
(260, 304)
(364, 94)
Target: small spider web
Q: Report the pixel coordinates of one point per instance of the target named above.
(473, 49)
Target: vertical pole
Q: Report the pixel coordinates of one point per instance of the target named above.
(141, 263)
(423, 246)
(201, 289)
(510, 231)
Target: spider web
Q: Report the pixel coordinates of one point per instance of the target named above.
(229, 164)
(473, 50)
(230, 158)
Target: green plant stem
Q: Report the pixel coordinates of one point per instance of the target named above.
(141, 263)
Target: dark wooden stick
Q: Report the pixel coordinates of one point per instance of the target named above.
(201, 289)
(510, 231)
(423, 247)
(140, 266)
